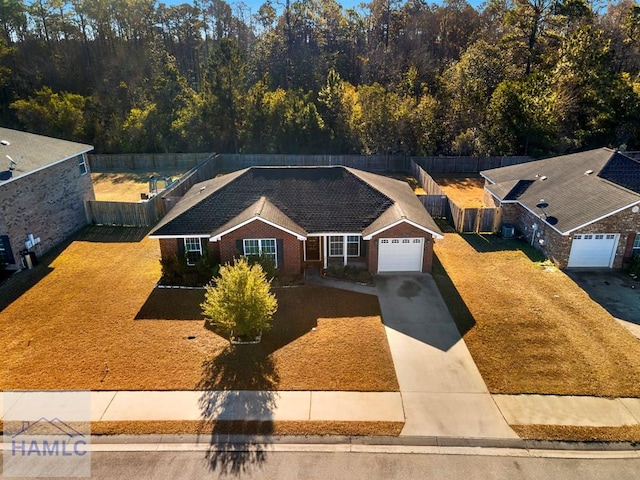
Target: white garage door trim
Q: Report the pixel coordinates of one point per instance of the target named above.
(400, 254)
(596, 250)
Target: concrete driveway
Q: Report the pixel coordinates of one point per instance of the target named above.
(615, 291)
(442, 391)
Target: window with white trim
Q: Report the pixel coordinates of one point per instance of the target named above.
(254, 247)
(353, 246)
(82, 165)
(192, 250)
(336, 246)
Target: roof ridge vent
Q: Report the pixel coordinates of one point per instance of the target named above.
(588, 172)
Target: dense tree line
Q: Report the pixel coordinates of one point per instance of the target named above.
(307, 76)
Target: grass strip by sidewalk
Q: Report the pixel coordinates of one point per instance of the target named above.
(627, 433)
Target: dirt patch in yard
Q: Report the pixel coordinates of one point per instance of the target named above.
(529, 327)
(126, 186)
(76, 328)
(465, 190)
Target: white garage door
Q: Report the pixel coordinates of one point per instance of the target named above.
(400, 254)
(593, 250)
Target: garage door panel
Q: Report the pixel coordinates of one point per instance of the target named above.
(400, 254)
(593, 250)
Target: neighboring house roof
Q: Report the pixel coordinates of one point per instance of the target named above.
(33, 152)
(578, 189)
(301, 200)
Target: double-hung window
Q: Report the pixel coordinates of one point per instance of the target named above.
(254, 247)
(636, 244)
(337, 245)
(82, 166)
(193, 250)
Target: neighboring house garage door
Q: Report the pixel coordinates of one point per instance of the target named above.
(400, 254)
(593, 250)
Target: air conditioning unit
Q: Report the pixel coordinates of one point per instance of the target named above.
(508, 231)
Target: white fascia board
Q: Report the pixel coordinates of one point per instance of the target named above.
(335, 234)
(35, 170)
(198, 235)
(398, 222)
(246, 222)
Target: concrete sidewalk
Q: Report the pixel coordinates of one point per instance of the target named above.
(225, 405)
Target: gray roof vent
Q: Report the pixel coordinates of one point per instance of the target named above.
(4, 142)
(588, 172)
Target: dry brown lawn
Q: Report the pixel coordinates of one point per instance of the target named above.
(125, 186)
(466, 191)
(535, 330)
(627, 433)
(95, 306)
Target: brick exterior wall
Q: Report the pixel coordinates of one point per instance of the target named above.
(291, 247)
(557, 247)
(48, 203)
(170, 246)
(403, 230)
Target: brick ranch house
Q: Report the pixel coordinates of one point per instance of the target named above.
(44, 183)
(302, 217)
(580, 210)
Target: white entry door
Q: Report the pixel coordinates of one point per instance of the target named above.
(593, 250)
(400, 254)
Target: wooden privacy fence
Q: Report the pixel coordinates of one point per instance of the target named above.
(146, 162)
(464, 220)
(147, 212)
(370, 163)
(466, 164)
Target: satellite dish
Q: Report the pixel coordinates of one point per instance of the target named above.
(542, 205)
(5, 143)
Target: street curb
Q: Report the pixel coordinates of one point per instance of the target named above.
(447, 442)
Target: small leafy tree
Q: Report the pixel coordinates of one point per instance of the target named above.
(240, 302)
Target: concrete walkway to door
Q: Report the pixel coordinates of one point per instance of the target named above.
(442, 391)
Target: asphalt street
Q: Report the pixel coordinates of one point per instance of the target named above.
(354, 466)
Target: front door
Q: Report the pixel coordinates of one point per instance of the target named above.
(313, 249)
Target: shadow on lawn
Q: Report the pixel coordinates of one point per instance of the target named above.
(239, 396)
(111, 234)
(485, 243)
(461, 315)
(172, 304)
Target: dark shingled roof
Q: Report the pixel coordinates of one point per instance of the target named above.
(574, 196)
(34, 152)
(301, 199)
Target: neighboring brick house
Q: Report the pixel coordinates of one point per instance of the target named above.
(580, 210)
(302, 217)
(44, 183)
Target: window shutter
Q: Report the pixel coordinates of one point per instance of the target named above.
(180, 247)
(204, 243)
(364, 244)
(240, 248)
(280, 253)
(8, 254)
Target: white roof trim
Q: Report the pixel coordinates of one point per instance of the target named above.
(195, 235)
(334, 234)
(397, 222)
(256, 217)
(35, 170)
